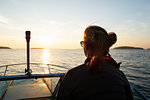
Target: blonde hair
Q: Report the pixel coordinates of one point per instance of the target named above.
(99, 42)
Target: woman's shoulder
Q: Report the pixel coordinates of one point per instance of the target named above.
(114, 73)
(76, 72)
(77, 69)
(111, 68)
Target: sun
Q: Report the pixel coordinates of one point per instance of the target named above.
(45, 41)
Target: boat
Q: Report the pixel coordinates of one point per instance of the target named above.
(33, 86)
(29, 84)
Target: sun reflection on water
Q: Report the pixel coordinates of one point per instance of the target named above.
(46, 56)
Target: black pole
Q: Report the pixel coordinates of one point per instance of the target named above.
(28, 71)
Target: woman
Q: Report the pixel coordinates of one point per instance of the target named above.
(98, 78)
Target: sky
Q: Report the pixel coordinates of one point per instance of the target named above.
(60, 24)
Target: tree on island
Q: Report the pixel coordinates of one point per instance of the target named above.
(1, 47)
(128, 47)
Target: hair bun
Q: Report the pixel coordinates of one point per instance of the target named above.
(112, 38)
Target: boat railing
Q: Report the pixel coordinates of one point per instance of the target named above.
(139, 92)
(50, 74)
(48, 67)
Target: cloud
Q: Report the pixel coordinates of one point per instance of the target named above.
(6, 24)
(130, 21)
(3, 20)
(53, 22)
(144, 25)
(14, 1)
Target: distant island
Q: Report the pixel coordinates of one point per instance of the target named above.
(37, 48)
(128, 47)
(1, 47)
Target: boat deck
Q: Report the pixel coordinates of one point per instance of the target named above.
(34, 89)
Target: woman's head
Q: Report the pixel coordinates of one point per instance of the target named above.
(98, 41)
(96, 45)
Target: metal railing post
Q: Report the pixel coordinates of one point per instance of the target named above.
(28, 70)
(5, 70)
(49, 69)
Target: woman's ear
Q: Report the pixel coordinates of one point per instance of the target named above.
(86, 50)
(86, 47)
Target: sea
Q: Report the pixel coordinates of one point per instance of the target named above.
(134, 63)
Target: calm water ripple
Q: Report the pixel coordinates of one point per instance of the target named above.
(135, 63)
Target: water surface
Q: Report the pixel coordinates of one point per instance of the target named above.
(135, 63)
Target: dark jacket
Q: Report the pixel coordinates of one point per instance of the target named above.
(109, 84)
